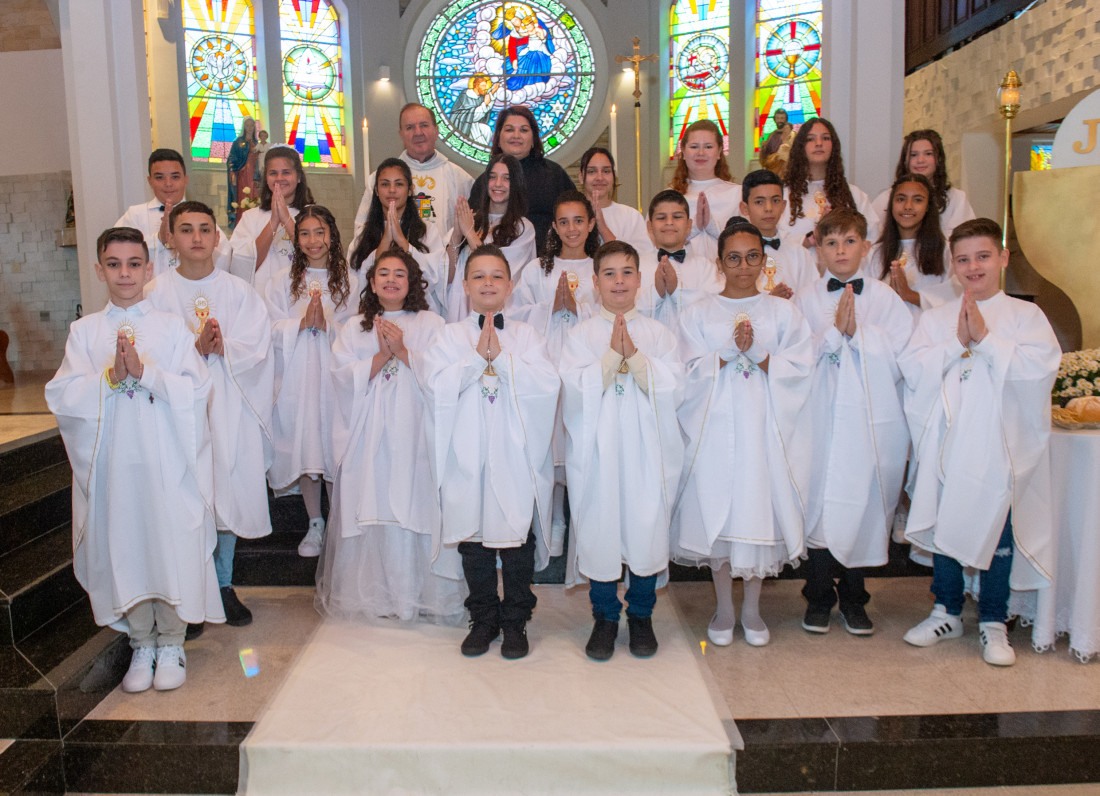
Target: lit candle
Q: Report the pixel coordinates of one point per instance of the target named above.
(366, 145)
(613, 136)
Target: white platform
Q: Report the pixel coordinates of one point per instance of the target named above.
(395, 710)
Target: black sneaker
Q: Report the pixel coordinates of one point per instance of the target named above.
(477, 641)
(235, 612)
(515, 644)
(856, 621)
(816, 620)
(601, 644)
(643, 644)
(194, 631)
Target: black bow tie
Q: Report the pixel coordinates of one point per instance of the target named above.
(773, 242)
(836, 284)
(677, 255)
(498, 321)
(161, 208)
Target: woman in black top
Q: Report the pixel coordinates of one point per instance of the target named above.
(517, 134)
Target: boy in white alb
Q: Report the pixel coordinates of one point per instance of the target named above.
(763, 205)
(130, 401)
(492, 393)
(680, 276)
(978, 375)
(168, 179)
(860, 439)
(233, 333)
(622, 380)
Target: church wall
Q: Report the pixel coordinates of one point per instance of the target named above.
(39, 281)
(1055, 48)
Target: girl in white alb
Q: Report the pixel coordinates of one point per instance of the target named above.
(703, 177)
(307, 303)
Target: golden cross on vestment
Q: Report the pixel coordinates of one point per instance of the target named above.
(635, 62)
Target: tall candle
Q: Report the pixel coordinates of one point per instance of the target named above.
(366, 145)
(613, 135)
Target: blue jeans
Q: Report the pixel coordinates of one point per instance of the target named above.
(641, 596)
(223, 557)
(947, 581)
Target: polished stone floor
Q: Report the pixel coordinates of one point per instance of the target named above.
(797, 675)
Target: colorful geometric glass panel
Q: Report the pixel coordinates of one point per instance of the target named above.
(220, 52)
(698, 66)
(1040, 156)
(313, 82)
(481, 56)
(788, 62)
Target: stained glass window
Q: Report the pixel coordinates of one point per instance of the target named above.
(480, 56)
(220, 52)
(1040, 156)
(788, 62)
(313, 81)
(698, 61)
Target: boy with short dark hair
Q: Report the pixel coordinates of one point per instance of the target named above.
(167, 177)
(492, 393)
(622, 380)
(762, 203)
(232, 332)
(130, 401)
(680, 276)
(860, 439)
(978, 375)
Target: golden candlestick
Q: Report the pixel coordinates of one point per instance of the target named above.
(1008, 105)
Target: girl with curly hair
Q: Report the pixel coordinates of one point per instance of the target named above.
(703, 176)
(816, 184)
(922, 153)
(393, 222)
(378, 560)
(307, 303)
(499, 219)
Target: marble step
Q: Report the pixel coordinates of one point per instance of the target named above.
(37, 583)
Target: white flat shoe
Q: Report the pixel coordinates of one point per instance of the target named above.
(719, 638)
(756, 638)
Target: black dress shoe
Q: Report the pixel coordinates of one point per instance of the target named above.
(643, 643)
(601, 644)
(515, 644)
(235, 612)
(194, 631)
(477, 641)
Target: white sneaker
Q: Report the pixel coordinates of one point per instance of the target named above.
(310, 546)
(719, 638)
(995, 647)
(139, 677)
(938, 626)
(171, 668)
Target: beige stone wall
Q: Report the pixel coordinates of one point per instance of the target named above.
(27, 25)
(1055, 48)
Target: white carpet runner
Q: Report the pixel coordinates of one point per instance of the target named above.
(396, 710)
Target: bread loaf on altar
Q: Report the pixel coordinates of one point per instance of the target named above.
(1079, 410)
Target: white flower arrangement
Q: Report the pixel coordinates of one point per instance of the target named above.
(1078, 376)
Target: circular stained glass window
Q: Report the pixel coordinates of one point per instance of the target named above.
(218, 64)
(793, 50)
(480, 56)
(703, 62)
(309, 75)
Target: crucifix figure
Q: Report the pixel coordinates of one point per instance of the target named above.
(635, 62)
